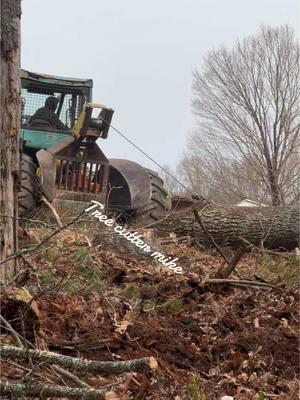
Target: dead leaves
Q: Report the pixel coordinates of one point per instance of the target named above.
(121, 327)
(237, 340)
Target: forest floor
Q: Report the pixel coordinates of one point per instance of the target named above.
(97, 301)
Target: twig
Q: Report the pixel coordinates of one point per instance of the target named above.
(232, 263)
(225, 272)
(170, 213)
(33, 268)
(24, 369)
(28, 263)
(245, 283)
(35, 221)
(81, 364)
(237, 283)
(56, 368)
(70, 376)
(45, 240)
(11, 330)
(284, 254)
(54, 212)
(27, 377)
(88, 241)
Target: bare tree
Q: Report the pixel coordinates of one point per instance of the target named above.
(191, 171)
(171, 180)
(221, 178)
(10, 110)
(246, 101)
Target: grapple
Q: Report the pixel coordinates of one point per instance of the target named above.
(76, 169)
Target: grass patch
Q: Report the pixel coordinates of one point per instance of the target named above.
(51, 254)
(194, 390)
(130, 292)
(148, 305)
(279, 270)
(173, 305)
(85, 279)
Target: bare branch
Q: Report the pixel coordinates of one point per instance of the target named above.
(108, 367)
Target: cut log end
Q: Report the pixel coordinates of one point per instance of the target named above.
(153, 364)
(111, 396)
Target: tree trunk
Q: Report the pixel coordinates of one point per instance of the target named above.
(10, 110)
(274, 227)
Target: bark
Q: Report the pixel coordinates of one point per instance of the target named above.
(79, 364)
(16, 390)
(275, 227)
(10, 110)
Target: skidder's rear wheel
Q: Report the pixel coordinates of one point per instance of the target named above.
(28, 190)
(157, 206)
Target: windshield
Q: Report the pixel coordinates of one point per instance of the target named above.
(52, 108)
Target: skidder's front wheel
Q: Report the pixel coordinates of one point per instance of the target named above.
(157, 206)
(28, 190)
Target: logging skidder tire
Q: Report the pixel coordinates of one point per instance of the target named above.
(28, 189)
(157, 206)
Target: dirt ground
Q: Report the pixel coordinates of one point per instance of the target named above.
(210, 340)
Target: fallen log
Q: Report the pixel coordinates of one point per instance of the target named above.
(16, 390)
(272, 227)
(79, 364)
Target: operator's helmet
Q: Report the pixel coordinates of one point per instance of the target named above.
(51, 103)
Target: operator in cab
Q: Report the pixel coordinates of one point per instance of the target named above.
(47, 115)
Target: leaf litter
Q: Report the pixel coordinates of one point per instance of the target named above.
(209, 341)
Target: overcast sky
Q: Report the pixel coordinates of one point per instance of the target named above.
(141, 54)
